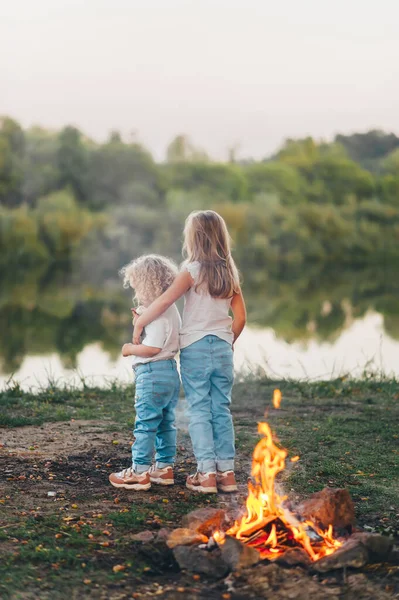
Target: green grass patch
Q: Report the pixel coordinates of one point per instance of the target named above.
(19, 408)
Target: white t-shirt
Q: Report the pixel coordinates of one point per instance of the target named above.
(202, 314)
(161, 333)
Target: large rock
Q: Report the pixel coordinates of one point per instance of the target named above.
(206, 520)
(144, 536)
(331, 506)
(294, 557)
(379, 546)
(357, 551)
(185, 537)
(237, 555)
(199, 560)
(351, 554)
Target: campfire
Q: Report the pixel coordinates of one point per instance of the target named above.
(268, 526)
(209, 543)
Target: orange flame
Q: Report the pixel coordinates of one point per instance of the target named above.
(267, 525)
(219, 537)
(277, 398)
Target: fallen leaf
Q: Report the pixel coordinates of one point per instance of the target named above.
(118, 568)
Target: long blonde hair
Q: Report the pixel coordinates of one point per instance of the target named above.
(207, 241)
(149, 275)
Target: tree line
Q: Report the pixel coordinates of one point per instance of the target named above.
(65, 198)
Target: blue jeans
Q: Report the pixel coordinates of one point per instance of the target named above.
(207, 377)
(157, 393)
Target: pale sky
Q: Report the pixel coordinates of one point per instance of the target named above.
(226, 72)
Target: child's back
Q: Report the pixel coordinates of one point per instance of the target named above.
(202, 314)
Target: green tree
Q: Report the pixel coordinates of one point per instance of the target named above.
(41, 172)
(276, 177)
(369, 149)
(182, 150)
(20, 242)
(64, 224)
(72, 163)
(118, 174)
(12, 146)
(220, 182)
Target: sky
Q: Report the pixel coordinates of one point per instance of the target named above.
(228, 73)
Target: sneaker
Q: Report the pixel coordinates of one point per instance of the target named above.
(202, 482)
(161, 476)
(226, 481)
(130, 480)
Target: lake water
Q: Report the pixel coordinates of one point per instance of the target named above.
(319, 325)
(364, 345)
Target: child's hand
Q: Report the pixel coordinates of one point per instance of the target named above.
(127, 349)
(138, 330)
(135, 315)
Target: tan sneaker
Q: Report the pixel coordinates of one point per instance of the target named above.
(226, 481)
(202, 482)
(161, 476)
(130, 480)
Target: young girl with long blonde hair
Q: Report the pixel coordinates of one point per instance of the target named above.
(209, 282)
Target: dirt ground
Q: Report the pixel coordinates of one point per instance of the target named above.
(55, 476)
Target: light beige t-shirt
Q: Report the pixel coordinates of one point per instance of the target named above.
(161, 333)
(202, 314)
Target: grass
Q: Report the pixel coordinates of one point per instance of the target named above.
(345, 432)
(50, 404)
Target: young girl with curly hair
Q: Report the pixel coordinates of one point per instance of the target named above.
(157, 379)
(210, 285)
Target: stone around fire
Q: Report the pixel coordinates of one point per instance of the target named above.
(206, 520)
(330, 506)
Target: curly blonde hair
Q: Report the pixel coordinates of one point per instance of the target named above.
(149, 275)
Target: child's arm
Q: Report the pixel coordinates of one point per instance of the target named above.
(239, 313)
(181, 284)
(140, 350)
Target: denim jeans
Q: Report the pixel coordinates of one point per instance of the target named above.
(207, 377)
(157, 393)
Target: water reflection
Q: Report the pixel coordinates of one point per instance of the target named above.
(317, 324)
